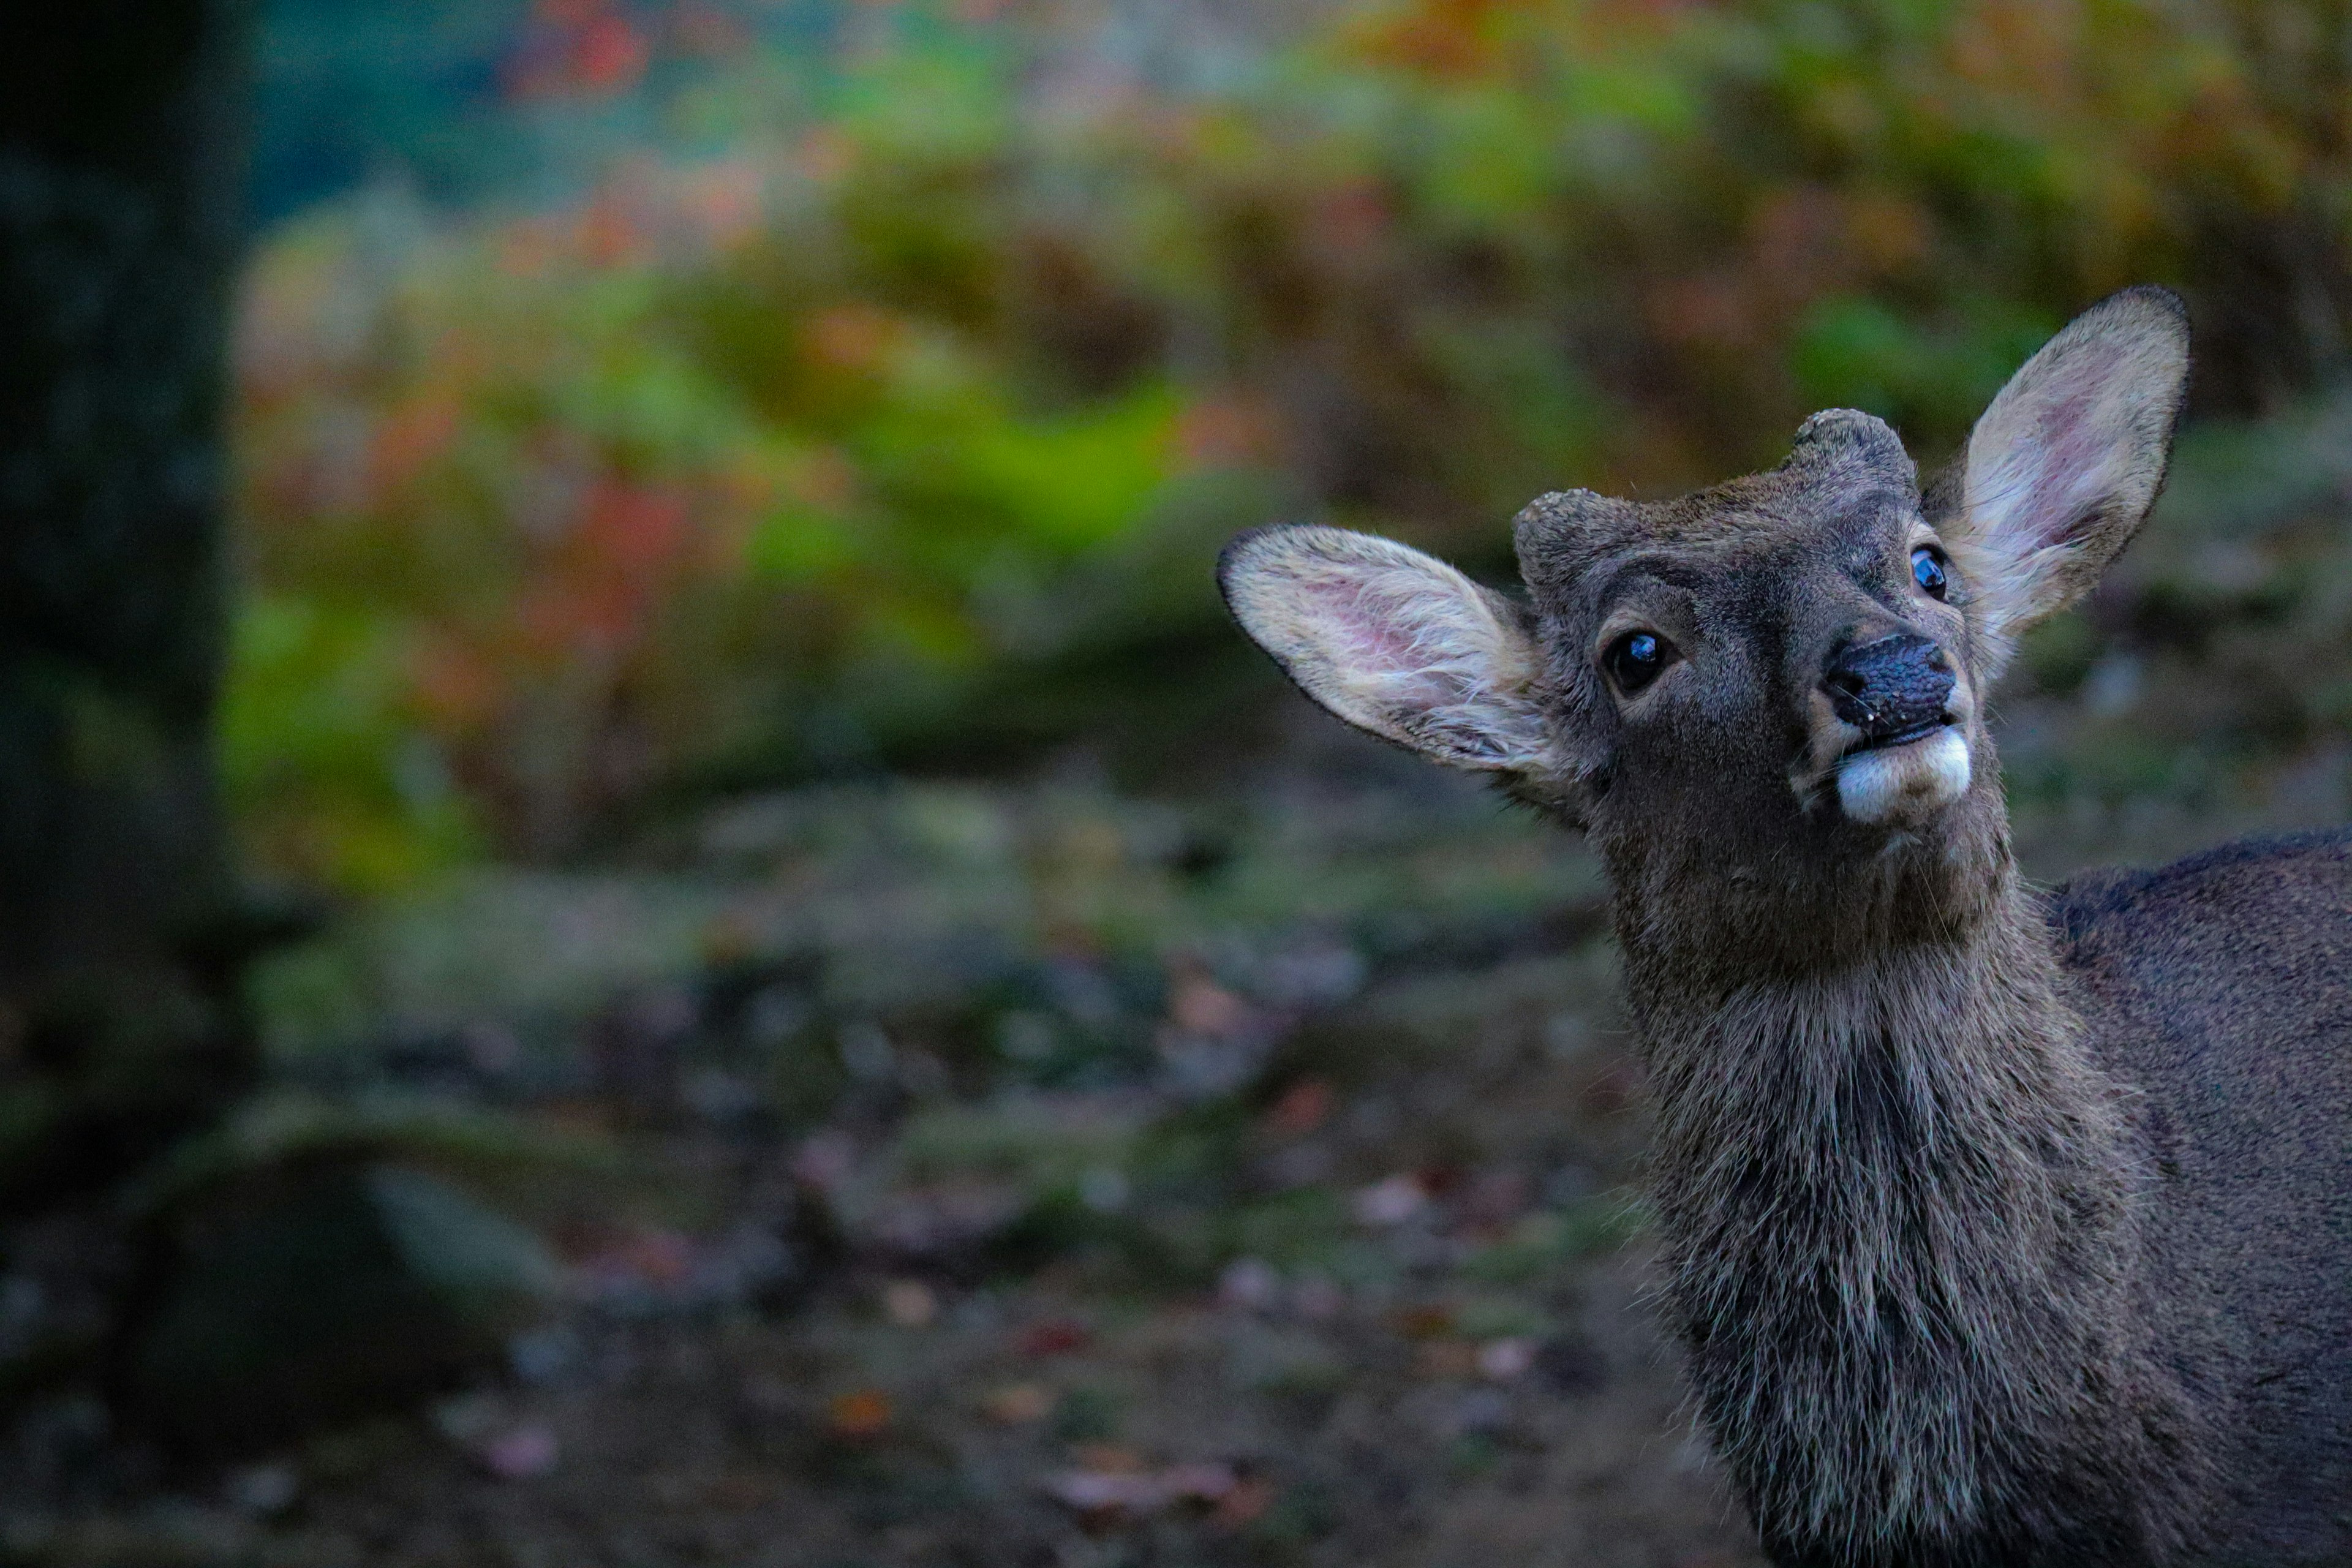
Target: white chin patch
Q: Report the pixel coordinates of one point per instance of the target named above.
(1896, 783)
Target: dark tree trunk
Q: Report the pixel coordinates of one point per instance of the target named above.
(123, 128)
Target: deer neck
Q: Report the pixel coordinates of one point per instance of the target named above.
(1896, 1201)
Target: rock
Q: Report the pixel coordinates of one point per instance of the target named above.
(322, 1293)
(523, 1453)
(263, 1491)
(1134, 1490)
(1390, 1202)
(1506, 1359)
(910, 1304)
(1250, 1285)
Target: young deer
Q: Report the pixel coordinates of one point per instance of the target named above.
(2000, 1227)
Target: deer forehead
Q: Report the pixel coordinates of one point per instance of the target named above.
(1848, 482)
(1762, 537)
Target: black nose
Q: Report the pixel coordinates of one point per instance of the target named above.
(1892, 689)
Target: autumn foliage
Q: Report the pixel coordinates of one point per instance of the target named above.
(756, 462)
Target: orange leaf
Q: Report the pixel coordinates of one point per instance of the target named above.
(861, 1414)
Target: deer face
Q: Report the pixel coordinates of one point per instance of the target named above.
(1780, 672)
(1792, 649)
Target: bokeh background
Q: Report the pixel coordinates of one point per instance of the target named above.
(804, 999)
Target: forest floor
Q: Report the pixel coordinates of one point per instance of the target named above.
(1009, 1174)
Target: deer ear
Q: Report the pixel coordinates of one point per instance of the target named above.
(2063, 467)
(1395, 643)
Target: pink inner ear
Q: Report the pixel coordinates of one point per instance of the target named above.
(1367, 624)
(1384, 638)
(2068, 466)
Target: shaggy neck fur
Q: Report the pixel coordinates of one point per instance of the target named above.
(1899, 1203)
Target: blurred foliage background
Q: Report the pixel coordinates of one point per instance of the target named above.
(637, 400)
(832, 1010)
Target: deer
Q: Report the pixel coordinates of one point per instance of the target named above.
(1996, 1225)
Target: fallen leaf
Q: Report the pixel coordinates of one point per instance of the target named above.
(1317, 1299)
(1447, 1358)
(1019, 1404)
(1496, 1198)
(1246, 1503)
(737, 1493)
(1054, 1336)
(1302, 1108)
(1201, 1006)
(1108, 1459)
(861, 1413)
(1425, 1322)
(824, 1159)
(909, 1303)
(654, 1256)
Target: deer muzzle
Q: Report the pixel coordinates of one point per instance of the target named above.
(1893, 689)
(1909, 755)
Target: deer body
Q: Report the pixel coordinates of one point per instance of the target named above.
(2047, 1262)
(2220, 990)
(2000, 1228)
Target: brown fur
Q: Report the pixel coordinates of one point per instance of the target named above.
(1999, 1229)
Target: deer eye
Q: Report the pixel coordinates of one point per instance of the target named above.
(1636, 659)
(1927, 570)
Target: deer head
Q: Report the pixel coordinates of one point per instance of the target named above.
(1765, 701)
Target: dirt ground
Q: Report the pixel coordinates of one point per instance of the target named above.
(1020, 1174)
